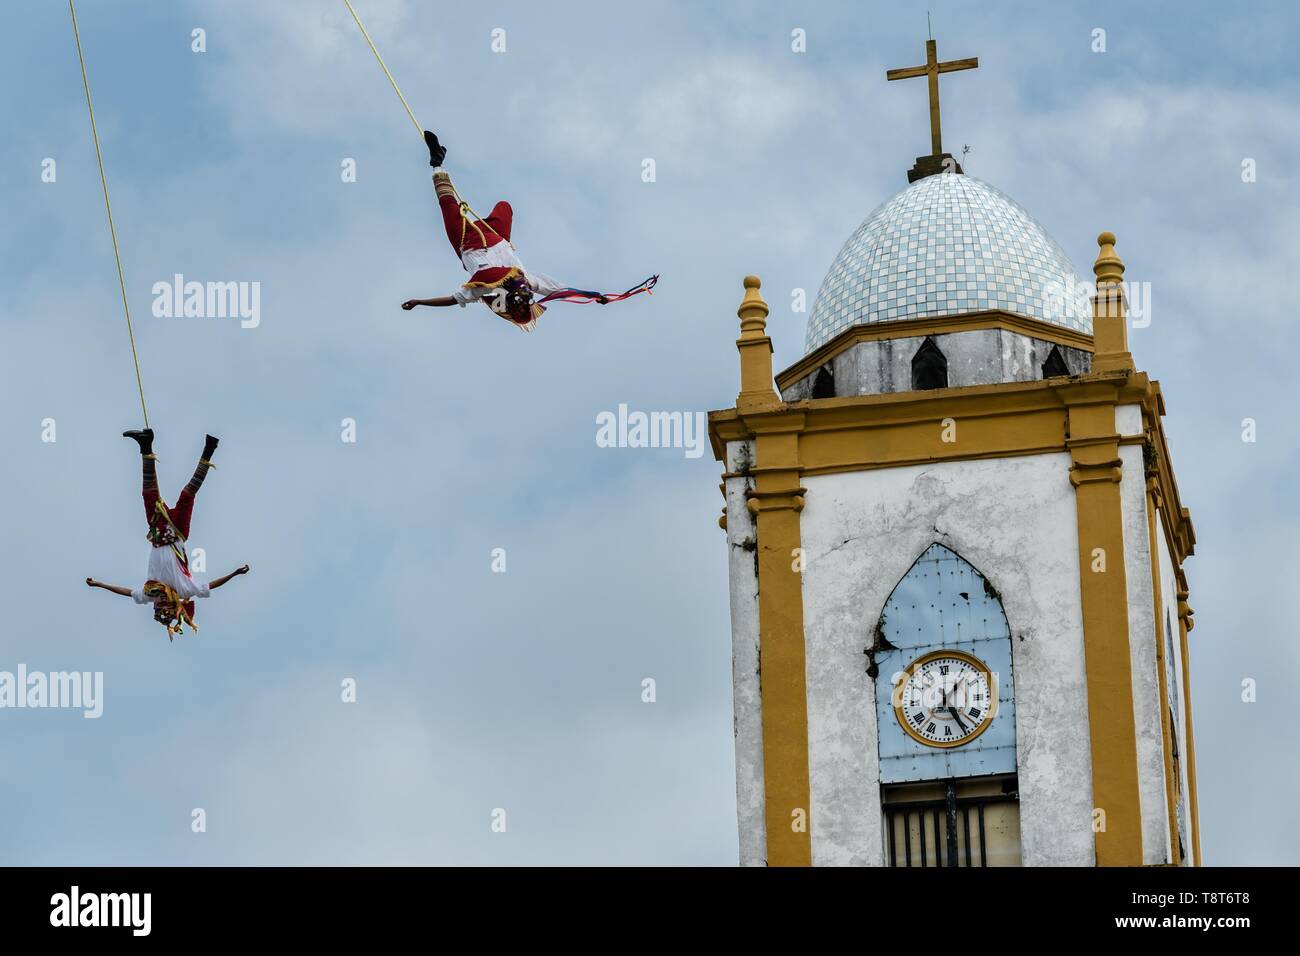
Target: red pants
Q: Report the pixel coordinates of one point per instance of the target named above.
(180, 512)
(463, 235)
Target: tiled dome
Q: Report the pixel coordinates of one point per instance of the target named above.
(947, 244)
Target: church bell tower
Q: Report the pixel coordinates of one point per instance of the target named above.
(956, 545)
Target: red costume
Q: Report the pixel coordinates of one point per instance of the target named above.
(480, 235)
(177, 516)
(169, 585)
(497, 277)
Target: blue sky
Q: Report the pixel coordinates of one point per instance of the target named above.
(372, 560)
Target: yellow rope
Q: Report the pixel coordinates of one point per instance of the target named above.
(464, 206)
(418, 128)
(108, 207)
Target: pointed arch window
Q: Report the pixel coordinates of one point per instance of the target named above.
(1055, 365)
(824, 383)
(946, 804)
(942, 600)
(929, 367)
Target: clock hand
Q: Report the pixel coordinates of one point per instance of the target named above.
(953, 711)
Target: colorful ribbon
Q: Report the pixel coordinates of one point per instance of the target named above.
(583, 296)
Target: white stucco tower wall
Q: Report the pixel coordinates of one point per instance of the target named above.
(1014, 520)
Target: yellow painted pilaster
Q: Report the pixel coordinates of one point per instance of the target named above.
(1095, 474)
(775, 501)
(1185, 624)
(1166, 732)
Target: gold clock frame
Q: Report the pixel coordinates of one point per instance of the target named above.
(919, 662)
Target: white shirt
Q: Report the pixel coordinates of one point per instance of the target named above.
(164, 566)
(502, 255)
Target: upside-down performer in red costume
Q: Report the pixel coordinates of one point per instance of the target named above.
(169, 585)
(497, 278)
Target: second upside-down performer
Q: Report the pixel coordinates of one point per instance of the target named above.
(169, 585)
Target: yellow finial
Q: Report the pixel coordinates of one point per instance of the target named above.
(756, 389)
(1109, 268)
(1109, 316)
(753, 310)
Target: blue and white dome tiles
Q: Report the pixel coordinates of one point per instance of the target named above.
(945, 245)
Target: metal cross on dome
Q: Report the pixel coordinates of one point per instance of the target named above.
(931, 70)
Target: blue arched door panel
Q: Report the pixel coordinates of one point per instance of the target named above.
(943, 603)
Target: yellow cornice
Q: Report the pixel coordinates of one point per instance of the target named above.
(942, 325)
(1009, 419)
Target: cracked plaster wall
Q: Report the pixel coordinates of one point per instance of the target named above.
(1014, 519)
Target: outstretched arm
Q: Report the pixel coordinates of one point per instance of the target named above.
(437, 302)
(213, 585)
(125, 592)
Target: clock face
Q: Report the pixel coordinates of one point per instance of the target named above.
(946, 698)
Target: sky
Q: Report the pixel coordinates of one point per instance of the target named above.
(480, 691)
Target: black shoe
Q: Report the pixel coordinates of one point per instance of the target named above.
(209, 446)
(143, 437)
(437, 152)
